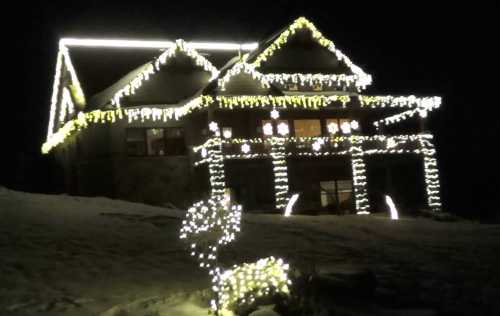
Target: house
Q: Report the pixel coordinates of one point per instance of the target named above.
(159, 121)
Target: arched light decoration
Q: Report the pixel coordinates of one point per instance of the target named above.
(346, 128)
(354, 125)
(268, 129)
(242, 67)
(283, 129)
(392, 208)
(363, 213)
(154, 67)
(227, 132)
(290, 204)
(245, 148)
(333, 128)
(275, 114)
(362, 79)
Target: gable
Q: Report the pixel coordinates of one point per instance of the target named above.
(186, 64)
(243, 79)
(302, 48)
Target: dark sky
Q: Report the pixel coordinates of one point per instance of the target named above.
(421, 48)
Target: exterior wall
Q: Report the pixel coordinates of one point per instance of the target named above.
(251, 183)
(400, 176)
(95, 163)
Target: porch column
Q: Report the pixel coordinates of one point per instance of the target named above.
(216, 167)
(280, 172)
(359, 178)
(431, 172)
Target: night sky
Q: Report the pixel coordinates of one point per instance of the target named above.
(420, 48)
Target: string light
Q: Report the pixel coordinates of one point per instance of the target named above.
(242, 67)
(309, 80)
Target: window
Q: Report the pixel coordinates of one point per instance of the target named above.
(328, 191)
(175, 141)
(135, 142)
(307, 128)
(155, 141)
(344, 193)
(336, 194)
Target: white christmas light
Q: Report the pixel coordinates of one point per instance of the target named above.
(227, 132)
(268, 129)
(283, 129)
(275, 114)
(245, 148)
(346, 128)
(354, 125)
(333, 128)
(213, 126)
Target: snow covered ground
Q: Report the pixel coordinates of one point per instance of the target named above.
(65, 255)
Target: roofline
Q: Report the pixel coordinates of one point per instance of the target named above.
(127, 43)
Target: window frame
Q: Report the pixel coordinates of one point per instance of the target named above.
(165, 142)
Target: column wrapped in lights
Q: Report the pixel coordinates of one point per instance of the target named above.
(216, 162)
(359, 177)
(431, 172)
(280, 171)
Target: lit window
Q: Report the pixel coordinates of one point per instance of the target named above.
(155, 142)
(328, 193)
(135, 142)
(307, 128)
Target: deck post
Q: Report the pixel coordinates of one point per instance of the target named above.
(280, 171)
(431, 172)
(359, 178)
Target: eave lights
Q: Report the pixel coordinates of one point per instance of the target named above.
(392, 208)
(242, 67)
